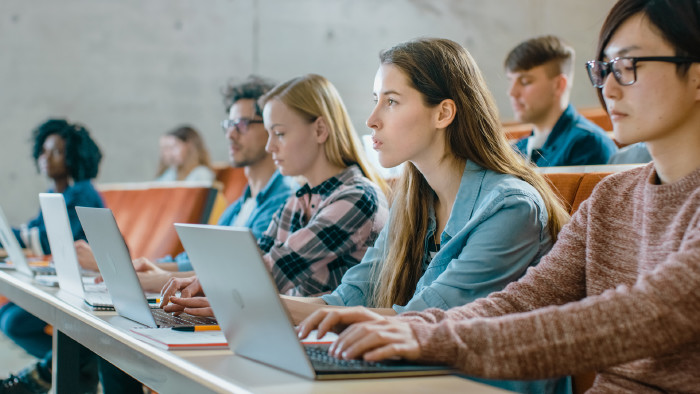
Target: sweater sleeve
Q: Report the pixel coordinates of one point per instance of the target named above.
(557, 279)
(658, 314)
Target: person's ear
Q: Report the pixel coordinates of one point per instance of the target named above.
(321, 129)
(561, 84)
(446, 112)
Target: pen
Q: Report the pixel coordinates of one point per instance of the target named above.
(212, 327)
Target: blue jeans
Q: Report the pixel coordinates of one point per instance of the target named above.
(25, 329)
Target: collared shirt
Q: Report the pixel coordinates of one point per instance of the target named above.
(323, 231)
(573, 141)
(497, 229)
(78, 194)
(267, 202)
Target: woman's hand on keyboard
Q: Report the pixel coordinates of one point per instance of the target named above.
(197, 306)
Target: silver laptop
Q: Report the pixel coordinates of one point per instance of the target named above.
(70, 279)
(113, 259)
(11, 245)
(256, 324)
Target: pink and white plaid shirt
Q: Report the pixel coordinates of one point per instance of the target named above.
(321, 232)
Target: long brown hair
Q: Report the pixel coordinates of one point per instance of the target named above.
(314, 96)
(441, 69)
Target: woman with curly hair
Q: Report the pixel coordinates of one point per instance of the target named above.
(67, 155)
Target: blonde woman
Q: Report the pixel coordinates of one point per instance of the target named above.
(325, 228)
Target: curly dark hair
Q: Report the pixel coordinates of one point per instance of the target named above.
(82, 154)
(252, 88)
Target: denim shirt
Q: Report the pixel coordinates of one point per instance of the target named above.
(574, 141)
(497, 229)
(267, 202)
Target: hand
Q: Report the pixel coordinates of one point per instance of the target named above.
(335, 319)
(188, 287)
(85, 257)
(198, 306)
(377, 340)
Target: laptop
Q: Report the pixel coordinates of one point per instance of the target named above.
(113, 259)
(256, 324)
(14, 250)
(70, 279)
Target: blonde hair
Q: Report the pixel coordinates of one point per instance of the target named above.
(442, 69)
(313, 96)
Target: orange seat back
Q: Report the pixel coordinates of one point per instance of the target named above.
(146, 215)
(233, 180)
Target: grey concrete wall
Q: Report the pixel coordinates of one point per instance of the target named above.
(132, 69)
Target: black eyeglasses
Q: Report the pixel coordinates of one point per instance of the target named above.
(624, 69)
(241, 124)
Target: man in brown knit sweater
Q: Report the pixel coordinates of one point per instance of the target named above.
(620, 291)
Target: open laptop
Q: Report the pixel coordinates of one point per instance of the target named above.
(113, 259)
(70, 279)
(256, 324)
(11, 245)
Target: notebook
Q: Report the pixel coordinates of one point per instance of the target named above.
(113, 259)
(254, 321)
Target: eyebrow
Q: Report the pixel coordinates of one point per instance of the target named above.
(387, 92)
(624, 51)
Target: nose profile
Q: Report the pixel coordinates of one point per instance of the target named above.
(373, 121)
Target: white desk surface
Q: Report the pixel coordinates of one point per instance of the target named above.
(192, 371)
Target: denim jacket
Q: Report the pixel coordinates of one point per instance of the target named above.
(497, 229)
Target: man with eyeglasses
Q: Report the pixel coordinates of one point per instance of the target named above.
(540, 74)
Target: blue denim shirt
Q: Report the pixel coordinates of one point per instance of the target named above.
(574, 141)
(267, 202)
(497, 229)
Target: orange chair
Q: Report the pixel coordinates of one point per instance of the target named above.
(233, 180)
(146, 212)
(573, 189)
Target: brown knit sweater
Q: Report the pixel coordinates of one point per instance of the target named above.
(618, 293)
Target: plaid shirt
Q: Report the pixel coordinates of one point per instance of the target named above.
(323, 231)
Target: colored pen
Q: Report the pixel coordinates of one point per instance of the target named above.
(212, 327)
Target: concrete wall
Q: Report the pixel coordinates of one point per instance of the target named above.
(132, 69)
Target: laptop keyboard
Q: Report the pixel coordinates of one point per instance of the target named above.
(165, 319)
(322, 361)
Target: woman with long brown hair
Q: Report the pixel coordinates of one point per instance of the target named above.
(468, 216)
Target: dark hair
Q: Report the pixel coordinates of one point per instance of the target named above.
(252, 88)
(542, 50)
(678, 22)
(82, 154)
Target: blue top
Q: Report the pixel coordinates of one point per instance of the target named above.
(267, 202)
(497, 229)
(79, 194)
(574, 141)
